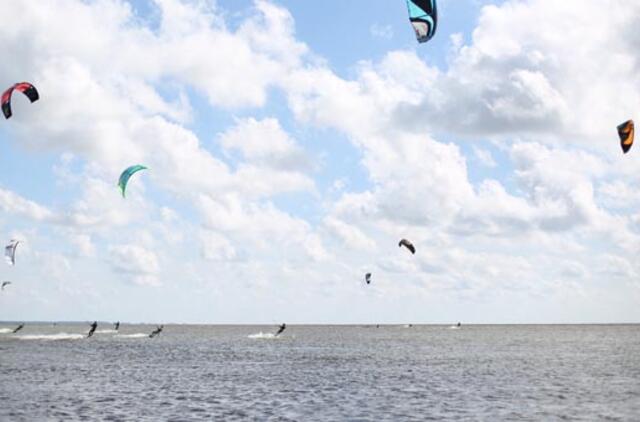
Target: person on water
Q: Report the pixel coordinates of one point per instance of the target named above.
(156, 331)
(116, 326)
(281, 329)
(18, 328)
(92, 329)
(459, 325)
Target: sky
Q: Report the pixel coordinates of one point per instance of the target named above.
(292, 144)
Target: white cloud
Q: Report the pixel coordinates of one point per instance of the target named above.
(12, 203)
(484, 157)
(383, 32)
(262, 227)
(618, 194)
(216, 247)
(264, 142)
(518, 78)
(349, 234)
(83, 244)
(140, 264)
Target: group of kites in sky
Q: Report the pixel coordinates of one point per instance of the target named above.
(423, 16)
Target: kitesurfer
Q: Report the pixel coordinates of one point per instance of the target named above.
(92, 329)
(116, 326)
(156, 331)
(459, 325)
(18, 328)
(281, 329)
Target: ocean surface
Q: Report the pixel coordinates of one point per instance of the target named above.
(320, 373)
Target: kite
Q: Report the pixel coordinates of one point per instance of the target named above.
(126, 175)
(26, 88)
(625, 132)
(10, 251)
(423, 15)
(408, 245)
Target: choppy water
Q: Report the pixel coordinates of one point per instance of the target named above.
(392, 373)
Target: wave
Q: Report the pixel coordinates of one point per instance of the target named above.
(58, 336)
(264, 336)
(136, 335)
(6, 330)
(106, 331)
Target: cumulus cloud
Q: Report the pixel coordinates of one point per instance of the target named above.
(518, 78)
(484, 157)
(13, 203)
(84, 244)
(216, 247)
(140, 264)
(384, 32)
(265, 142)
(350, 235)
(263, 227)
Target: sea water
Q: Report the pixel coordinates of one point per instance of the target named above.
(323, 373)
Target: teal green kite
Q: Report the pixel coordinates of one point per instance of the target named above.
(126, 175)
(423, 15)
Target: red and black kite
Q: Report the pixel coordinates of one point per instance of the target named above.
(26, 88)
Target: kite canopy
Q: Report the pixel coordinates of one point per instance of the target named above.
(26, 88)
(423, 15)
(126, 175)
(408, 245)
(4, 283)
(367, 278)
(10, 251)
(626, 132)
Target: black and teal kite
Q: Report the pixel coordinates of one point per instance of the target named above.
(423, 15)
(126, 175)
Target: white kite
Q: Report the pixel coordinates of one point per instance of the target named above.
(10, 251)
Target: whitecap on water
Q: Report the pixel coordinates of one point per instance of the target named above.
(6, 330)
(264, 336)
(106, 331)
(58, 336)
(136, 335)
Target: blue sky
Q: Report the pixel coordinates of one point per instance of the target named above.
(292, 144)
